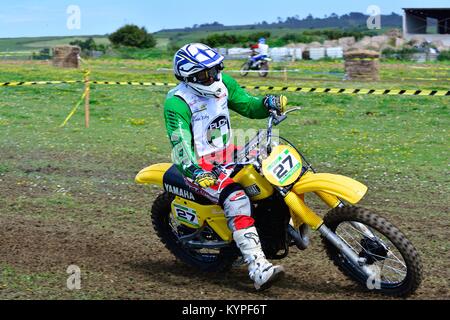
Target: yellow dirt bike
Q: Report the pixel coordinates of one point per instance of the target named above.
(276, 176)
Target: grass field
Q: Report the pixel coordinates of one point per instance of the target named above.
(67, 196)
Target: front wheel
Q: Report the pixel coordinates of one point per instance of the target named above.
(381, 246)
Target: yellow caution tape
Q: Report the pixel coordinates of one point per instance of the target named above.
(74, 110)
(34, 83)
(353, 91)
(390, 92)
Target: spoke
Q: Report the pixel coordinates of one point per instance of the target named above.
(385, 276)
(401, 272)
(359, 244)
(374, 255)
(347, 243)
(397, 260)
(174, 229)
(390, 251)
(396, 273)
(357, 230)
(356, 226)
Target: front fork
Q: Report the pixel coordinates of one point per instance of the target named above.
(302, 214)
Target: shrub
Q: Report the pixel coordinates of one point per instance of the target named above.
(87, 45)
(401, 54)
(133, 36)
(225, 39)
(444, 56)
(299, 38)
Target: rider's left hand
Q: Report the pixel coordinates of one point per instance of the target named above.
(276, 103)
(205, 179)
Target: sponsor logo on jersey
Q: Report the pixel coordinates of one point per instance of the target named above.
(202, 108)
(201, 117)
(218, 132)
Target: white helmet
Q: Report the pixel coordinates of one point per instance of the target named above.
(199, 66)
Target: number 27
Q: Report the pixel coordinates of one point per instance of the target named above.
(281, 170)
(186, 215)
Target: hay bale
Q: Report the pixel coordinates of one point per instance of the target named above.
(66, 56)
(347, 42)
(394, 33)
(362, 65)
(330, 43)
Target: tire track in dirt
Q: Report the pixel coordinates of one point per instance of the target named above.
(127, 260)
(132, 267)
(138, 266)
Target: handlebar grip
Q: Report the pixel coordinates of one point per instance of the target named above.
(279, 120)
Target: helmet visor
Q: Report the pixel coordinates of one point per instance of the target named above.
(207, 77)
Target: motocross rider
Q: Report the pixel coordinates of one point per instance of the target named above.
(261, 50)
(198, 125)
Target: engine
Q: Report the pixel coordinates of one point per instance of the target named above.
(272, 218)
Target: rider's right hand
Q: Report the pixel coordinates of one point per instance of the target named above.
(276, 103)
(205, 179)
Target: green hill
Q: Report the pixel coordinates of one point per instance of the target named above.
(38, 43)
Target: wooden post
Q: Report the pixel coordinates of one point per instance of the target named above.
(87, 89)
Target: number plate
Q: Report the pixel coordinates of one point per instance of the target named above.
(186, 215)
(283, 167)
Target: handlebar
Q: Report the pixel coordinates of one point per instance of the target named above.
(274, 120)
(278, 119)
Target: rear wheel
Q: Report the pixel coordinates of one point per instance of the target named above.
(382, 246)
(169, 232)
(264, 70)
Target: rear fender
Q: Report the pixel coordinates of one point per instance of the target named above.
(153, 174)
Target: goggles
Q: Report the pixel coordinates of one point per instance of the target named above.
(207, 77)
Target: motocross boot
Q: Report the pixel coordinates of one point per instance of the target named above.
(261, 271)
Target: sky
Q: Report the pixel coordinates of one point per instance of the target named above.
(26, 18)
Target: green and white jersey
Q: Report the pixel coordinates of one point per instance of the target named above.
(198, 126)
(210, 120)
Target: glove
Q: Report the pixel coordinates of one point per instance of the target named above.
(276, 103)
(205, 179)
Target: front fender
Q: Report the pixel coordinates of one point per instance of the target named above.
(153, 174)
(331, 186)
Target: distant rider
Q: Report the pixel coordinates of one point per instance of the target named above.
(198, 124)
(261, 51)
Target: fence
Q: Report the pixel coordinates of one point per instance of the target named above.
(287, 54)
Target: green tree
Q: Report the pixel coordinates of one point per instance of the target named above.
(133, 36)
(86, 45)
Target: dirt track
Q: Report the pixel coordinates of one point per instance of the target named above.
(118, 265)
(129, 268)
(104, 228)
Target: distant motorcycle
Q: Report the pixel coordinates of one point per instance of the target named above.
(262, 66)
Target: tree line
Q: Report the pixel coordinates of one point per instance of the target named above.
(350, 20)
